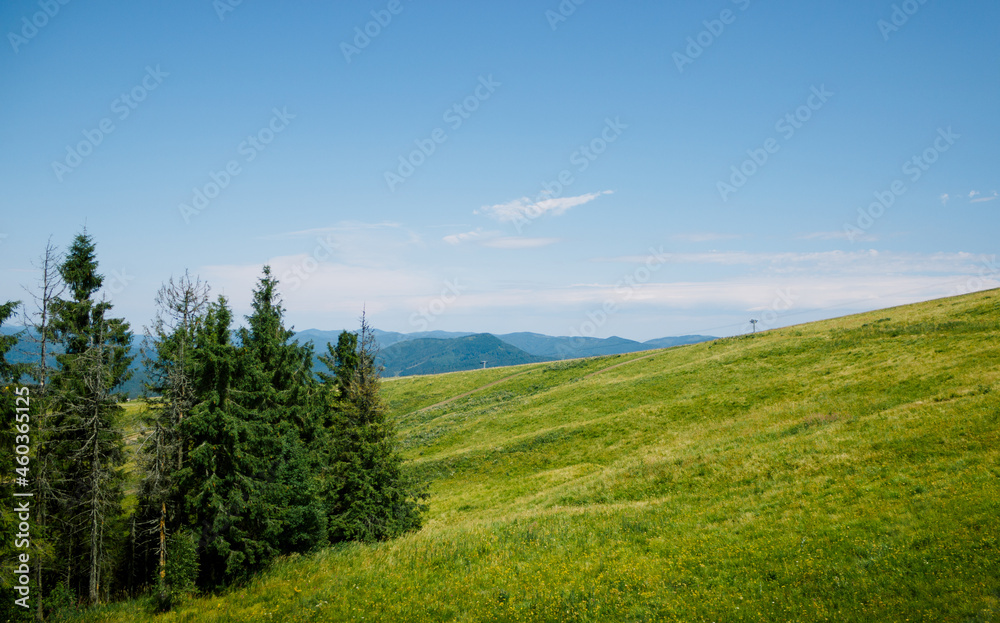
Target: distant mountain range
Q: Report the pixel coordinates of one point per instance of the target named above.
(434, 356)
(27, 351)
(430, 352)
(434, 352)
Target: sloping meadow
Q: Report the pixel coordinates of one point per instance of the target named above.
(841, 470)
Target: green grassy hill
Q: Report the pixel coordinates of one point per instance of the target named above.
(846, 470)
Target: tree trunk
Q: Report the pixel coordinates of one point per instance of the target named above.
(95, 584)
(95, 512)
(39, 615)
(163, 545)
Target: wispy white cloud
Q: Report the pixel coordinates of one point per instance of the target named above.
(525, 208)
(834, 280)
(384, 244)
(345, 226)
(987, 198)
(477, 234)
(306, 284)
(704, 237)
(838, 235)
(495, 240)
(517, 242)
(822, 264)
(944, 199)
(851, 292)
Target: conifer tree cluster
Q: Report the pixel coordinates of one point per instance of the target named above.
(244, 453)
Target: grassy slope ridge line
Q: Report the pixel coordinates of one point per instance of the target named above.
(843, 470)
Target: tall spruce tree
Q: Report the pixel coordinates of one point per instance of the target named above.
(216, 476)
(278, 395)
(84, 440)
(50, 287)
(180, 311)
(250, 475)
(369, 498)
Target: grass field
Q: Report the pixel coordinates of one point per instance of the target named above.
(846, 470)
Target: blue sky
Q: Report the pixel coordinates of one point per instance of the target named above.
(639, 169)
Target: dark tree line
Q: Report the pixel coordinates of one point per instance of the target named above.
(244, 453)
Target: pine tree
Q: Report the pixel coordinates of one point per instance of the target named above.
(278, 393)
(84, 440)
(181, 307)
(249, 477)
(50, 287)
(215, 478)
(370, 496)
